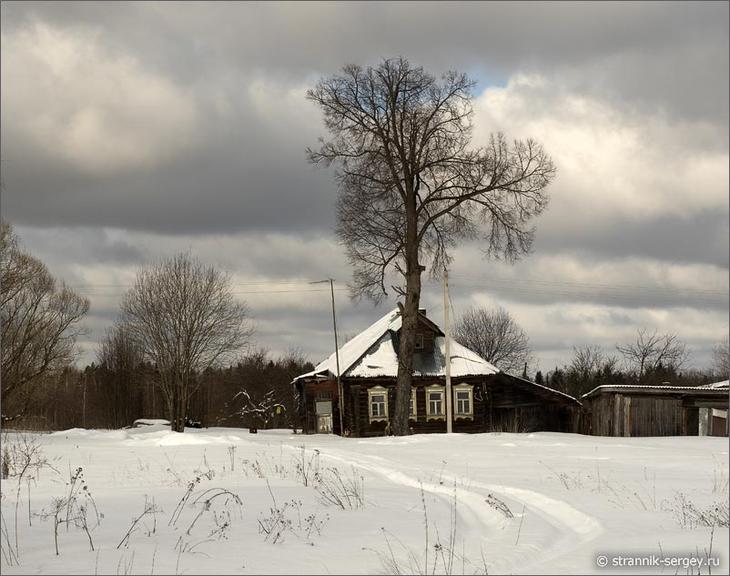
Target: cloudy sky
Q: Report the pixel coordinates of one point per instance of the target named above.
(134, 131)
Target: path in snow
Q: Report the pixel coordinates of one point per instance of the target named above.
(571, 528)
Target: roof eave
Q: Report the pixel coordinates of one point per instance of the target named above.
(677, 390)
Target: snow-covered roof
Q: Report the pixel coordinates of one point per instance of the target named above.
(373, 353)
(546, 388)
(716, 387)
(723, 384)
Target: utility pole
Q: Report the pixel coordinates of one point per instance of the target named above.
(447, 367)
(340, 402)
(83, 410)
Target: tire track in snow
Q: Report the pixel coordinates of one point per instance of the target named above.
(485, 519)
(558, 512)
(576, 528)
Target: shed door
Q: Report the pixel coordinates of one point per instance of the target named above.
(323, 409)
(719, 422)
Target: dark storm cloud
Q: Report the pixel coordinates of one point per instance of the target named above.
(703, 238)
(223, 186)
(191, 39)
(563, 292)
(131, 131)
(91, 245)
(240, 171)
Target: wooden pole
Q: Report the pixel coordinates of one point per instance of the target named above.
(340, 401)
(83, 409)
(447, 350)
(337, 359)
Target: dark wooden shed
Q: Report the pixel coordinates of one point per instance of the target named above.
(627, 410)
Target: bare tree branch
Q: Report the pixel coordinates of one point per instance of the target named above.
(412, 188)
(185, 319)
(40, 323)
(652, 351)
(496, 337)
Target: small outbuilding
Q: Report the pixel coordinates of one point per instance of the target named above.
(635, 410)
(484, 398)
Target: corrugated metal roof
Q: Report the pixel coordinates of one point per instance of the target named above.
(718, 387)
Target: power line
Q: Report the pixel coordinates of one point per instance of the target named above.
(235, 293)
(646, 296)
(471, 277)
(257, 283)
(524, 286)
(522, 281)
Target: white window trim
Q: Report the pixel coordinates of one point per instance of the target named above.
(378, 391)
(463, 388)
(429, 390)
(414, 399)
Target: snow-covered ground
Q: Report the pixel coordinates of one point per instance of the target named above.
(222, 501)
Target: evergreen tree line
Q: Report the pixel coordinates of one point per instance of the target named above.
(592, 366)
(255, 392)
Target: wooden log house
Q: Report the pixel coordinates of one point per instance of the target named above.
(484, 398)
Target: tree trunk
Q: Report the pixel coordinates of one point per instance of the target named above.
(409, 322)
(177, 417)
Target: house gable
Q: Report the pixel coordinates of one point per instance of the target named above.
(426, 334)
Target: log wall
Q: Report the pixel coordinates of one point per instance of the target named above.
(499, 406)
(636, 415)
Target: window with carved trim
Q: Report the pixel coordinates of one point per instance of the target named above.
(463, 401)
(378, 403)
(435, 405)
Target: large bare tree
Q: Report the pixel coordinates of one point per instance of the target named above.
(40, 323)
(412, 187)
(650, 351)
(495, 336)
(185, 319)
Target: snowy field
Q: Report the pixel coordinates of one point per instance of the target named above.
(223, 501)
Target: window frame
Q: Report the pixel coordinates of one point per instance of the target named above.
(469, 389)
(378, 391)
(420, 342)
(435, 388)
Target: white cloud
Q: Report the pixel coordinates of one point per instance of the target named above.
(613, 164)
(85, 105)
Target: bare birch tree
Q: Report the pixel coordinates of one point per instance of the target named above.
(648, 352)
(411, 187)
(495, 336)
(40, 323)
(185, 319)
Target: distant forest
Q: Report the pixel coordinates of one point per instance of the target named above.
(255, 392)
